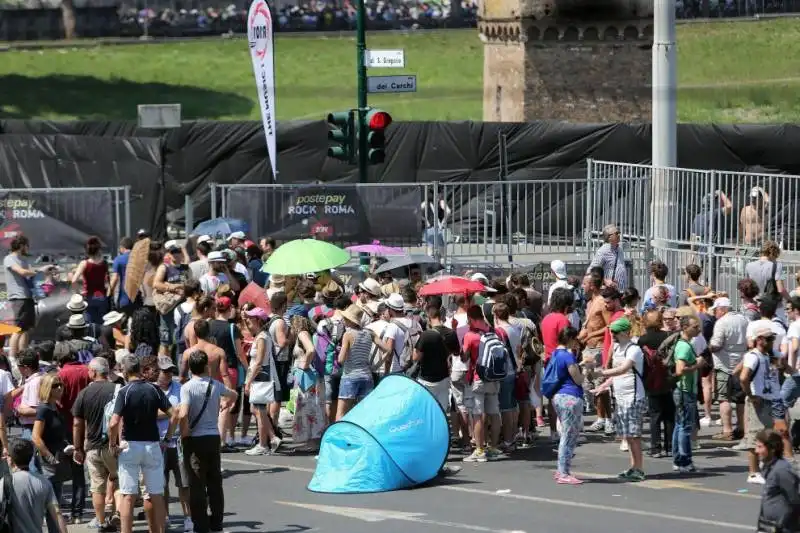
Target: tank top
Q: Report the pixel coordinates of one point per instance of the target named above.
(267, 348)
(94, 278)
(357, 363)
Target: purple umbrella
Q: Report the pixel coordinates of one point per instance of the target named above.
(376, 248)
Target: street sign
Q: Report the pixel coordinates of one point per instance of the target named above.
(392, 84)
(159, 116)
(385, 59)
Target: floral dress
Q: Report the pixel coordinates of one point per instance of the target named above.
(309, 414)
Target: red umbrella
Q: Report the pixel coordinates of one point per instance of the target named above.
(452, 285)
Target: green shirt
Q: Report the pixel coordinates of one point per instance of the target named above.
(684, 352)
(477, 299)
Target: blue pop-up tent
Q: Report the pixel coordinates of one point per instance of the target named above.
(396, 438)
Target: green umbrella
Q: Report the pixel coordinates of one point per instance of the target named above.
(303, 256)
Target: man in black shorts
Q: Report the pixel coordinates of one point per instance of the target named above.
(19, 288)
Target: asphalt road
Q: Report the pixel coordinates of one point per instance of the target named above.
(517, 495)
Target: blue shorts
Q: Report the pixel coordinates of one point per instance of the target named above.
(508, 400)
(790, 390)
(355, 388)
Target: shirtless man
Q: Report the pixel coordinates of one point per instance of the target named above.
(217, 365)
(203, 310)
(597, 319)
(751, 218)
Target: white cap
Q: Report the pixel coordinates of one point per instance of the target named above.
(480, 278)
(237, 235)
(721, 302)
(204, 238)
(394, 302)
(755, 192)
(217, 257)
(172, 245)
(559, 268)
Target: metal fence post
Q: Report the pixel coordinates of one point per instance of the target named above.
(587, 233)
(213, 187)
(188, 214)
(128, 210)
(711, 276)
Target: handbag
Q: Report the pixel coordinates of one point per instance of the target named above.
(57, 470)
(304, 379)
(263, 392)
(166, 302)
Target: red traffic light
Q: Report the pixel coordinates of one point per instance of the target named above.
(379, 120)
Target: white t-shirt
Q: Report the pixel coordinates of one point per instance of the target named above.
(763, 376)
(6, 384)
(386, 330)
(792, 333)
(699, 344)
(243, 270)
(730, 334)
(514, 339)
(777, 328)
(628, 385)
(413, 328)
(186, 307)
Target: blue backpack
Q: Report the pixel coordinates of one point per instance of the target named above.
(180, 330)
(551, 383)
(492, 355)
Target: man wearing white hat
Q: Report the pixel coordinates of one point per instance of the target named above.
(369, 294)
(236, 239)
(728, 345)
(217, 274)
(77, 307)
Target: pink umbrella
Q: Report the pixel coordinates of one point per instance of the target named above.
(376, 248)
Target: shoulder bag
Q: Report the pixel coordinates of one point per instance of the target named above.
(188, 430)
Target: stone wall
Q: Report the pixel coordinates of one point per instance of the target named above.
(537, 69)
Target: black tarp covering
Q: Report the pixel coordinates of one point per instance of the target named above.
(199, 153)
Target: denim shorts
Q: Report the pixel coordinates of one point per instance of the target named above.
(355, 388)
(166, 329)
(508, 401)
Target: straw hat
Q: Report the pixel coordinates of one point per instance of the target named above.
(331, 290)
(77, 304)
(353, 314)
(109, 319)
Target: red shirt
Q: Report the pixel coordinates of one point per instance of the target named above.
(471, 344)
(94, 279)
(76, 378)
(608, 339)
(552, 324)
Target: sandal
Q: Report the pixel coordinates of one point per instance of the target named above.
(723, 436)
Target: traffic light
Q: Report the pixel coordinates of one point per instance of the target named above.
(376, 122)
(342, 134)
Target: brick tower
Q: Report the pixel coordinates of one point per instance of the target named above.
(566, 60)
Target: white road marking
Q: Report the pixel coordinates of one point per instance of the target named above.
(596, 507)
(380, 515)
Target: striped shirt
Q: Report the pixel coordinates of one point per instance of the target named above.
(357, 363)
(612, 261)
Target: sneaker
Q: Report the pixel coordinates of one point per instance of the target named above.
(598, 425)
(494, 453)
(94, 524)
(609, 427)
(449, 470)
(274, 444)
(632, 475)
(257, 450)
(676, 468)
(755, 479)
(688, 469)
(188, 525)
(540, 422)
(740, 447)
(656, 454)
(568, 479)
(115, 521)
(245, 441)
(706, 422)
(478, 456)
(623, 446)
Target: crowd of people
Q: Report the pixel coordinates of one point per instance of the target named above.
(136, 388)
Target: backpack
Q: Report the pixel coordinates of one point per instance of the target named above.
(84, 350)
(492, 354)
(108, 410)
(551, 383)
(409, 342)
(5, 502)
(771, 286)
(327, 344)
(180, 331)
(656, 377)
(666, 352)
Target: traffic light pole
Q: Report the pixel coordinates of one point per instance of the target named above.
(361, 70)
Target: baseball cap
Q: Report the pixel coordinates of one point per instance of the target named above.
(620, 325)
(755, 192)
(224, 302)
(257, 312)
(764, 332)
(237, 235)
(165, 363)
(479, 278)
(721, 302)
(216, 257)
(204, 238)
(559, 268)
(172, 246)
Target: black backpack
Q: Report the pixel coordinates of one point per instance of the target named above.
(771, 285)
(5, 503)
